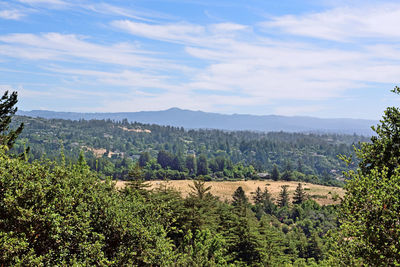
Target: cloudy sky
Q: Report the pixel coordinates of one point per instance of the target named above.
(311, 57)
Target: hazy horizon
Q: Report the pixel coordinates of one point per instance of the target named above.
(173, 108)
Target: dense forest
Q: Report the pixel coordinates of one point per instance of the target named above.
(164, 152)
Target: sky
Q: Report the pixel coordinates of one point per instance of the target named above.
(321, 58)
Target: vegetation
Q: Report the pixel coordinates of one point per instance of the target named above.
(54, 213)
(112, 148)
(7, 110)
(60, 212)
(370, 230)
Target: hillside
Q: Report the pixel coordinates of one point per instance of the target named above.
(323, 195)
(112, 148)
(204, 120)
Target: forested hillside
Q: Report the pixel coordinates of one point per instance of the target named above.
(235, 122)
(175, 153)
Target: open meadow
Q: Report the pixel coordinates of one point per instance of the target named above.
(324, 195)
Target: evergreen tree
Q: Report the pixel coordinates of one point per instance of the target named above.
(299, 195)
(283, 200)
(240, 201)
(7, 110)
(178, 163)
(202, 165)
(275, 175)
(268, 204)
(258, 196)
(199, 189)
(136, 180)
(144, 158)
(164, 158)
(191, 164)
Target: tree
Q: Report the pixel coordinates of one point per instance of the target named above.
(164, 158)
(258, 197)
(369, 215)
(7, 110)
(202, 165)
(299, 195)
(191, 164)
(239, 197)
(275, 173)
(64, 216)
(136, 178)
(283, 200)
(144, 158)
(383, 150)
(199, 189)
(178, 163)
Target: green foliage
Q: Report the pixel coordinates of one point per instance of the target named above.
(56, 215)
(239, 197)
(283, 200)
(202, 165)
(229, 155)
(370, 222)
(62, 214)
(199, 189)
(299, 195)
(275, 175)
(7, 110)
(370, 230)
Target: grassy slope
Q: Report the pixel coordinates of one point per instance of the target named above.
(224, 190)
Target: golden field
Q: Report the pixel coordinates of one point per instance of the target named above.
(224, 189)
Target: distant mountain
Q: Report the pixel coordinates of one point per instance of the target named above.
(198, 119)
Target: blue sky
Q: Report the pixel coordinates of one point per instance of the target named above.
(314, 58)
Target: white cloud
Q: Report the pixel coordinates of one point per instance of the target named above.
(67, 47)
(44, 2)
(343, 23)
(236, 65)
(182, 32)
(12, 14)
(132, 79)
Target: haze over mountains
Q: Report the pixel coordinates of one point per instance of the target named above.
(199, 119)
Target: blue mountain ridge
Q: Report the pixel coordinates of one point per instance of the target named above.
(205, 120)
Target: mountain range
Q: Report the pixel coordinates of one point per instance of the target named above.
(205, 120)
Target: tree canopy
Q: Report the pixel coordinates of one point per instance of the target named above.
(7, 110)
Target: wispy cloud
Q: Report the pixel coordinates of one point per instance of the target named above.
(44, 2)
(182, 33)
(12, 14)
(67, 47)
(343, 23)
(156, 61)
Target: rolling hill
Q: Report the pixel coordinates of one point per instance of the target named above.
(205, 120)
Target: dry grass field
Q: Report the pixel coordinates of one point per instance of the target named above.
(224, 190)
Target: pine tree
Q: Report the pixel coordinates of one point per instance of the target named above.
(136, 180)
(240, 202)
(268, 204)
(275, 175)
(258, 197)
(239, 197)
(199, 189)
(144, 158)
(7, 110)
(202, 165)
(283, 200)
(191, 164)
(299, 195)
